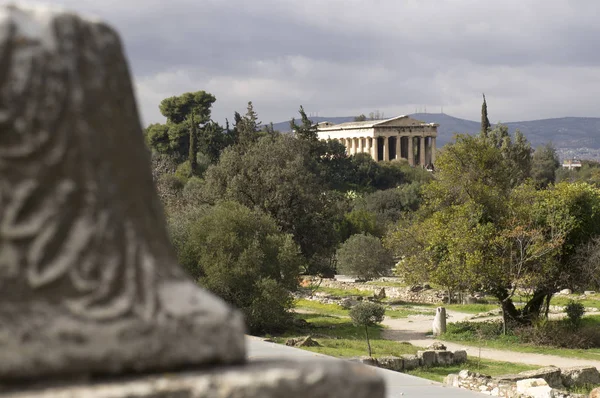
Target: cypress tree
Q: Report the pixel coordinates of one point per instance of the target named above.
(485, 122)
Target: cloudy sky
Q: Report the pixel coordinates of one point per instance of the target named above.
(533, 58)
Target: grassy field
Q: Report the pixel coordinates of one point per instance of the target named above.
(336, 310)
(387, 284)
(467, 308)
(321, 308)
(590, 301)
(344, 292)
(339, 338)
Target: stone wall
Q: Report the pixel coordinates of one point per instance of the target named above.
(424, 294)
(407, 362)
(549, 381)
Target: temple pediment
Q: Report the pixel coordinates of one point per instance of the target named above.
(400, 121)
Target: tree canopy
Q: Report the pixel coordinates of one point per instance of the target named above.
(240, 255)
(365, 257)
(276, 176)
(483, 229)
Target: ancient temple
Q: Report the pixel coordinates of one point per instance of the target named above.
(400, 137)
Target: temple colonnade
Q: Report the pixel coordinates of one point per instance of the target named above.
(418, 150)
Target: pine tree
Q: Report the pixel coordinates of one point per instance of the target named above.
(485, 122)
(248, 126)
(306, 130)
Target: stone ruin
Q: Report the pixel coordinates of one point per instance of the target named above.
(549, 381)
(432, 356)
(94, 303)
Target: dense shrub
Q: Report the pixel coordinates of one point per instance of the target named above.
(240, 255)
(474, 330)
(575, 311)
(545, 333)
(559, 334)
(365, 257)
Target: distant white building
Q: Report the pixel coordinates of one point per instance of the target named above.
(571, 164)
(400, 137)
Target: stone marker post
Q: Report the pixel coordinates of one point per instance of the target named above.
(439, 322)
(89, 282)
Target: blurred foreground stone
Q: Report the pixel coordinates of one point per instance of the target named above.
(91, 289)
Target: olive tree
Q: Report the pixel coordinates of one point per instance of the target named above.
(365, 257)
(367, 314)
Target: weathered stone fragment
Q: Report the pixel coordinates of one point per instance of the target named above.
(452, 379)
(391, 363)
(273, 379)
(426, 358)
(437, 346)
(439, 322)
(551, 374)
(410, 361)
(460, 356)
(579, 376)
(444, 358)
(89, 280)
(534, 388)
(366, 360)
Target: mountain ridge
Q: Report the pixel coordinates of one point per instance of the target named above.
(564, 132)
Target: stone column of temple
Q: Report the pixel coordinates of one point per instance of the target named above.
(386, 148)
(369, 144)
(361, 145)
(422, 151)
(398, 155)
(433, 150)
(350, 146)
(411, 154)
(374, 148)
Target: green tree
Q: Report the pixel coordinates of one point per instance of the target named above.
(248, 127)
(480, 231)
(516, 152)
(276, 176)
(359, 221)
(367, 314)
(306, 130)
(240, 255)
(485, 122)
(390, 204)
(186, 116)
(544, 165)
(365, 257)
(360, 118)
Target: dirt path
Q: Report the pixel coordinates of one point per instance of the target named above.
(414, 330)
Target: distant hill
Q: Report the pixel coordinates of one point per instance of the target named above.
(566, 132)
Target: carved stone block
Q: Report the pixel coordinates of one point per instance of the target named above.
(89, 281)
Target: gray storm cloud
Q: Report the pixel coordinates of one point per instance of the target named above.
(533, 59)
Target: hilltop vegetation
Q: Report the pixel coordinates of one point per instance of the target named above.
(251, 209)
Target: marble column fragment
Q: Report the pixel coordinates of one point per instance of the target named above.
(89, 281)
(88, 278)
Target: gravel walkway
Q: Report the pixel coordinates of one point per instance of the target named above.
(414, 330)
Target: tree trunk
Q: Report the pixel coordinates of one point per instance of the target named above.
(368, 343)
(527, 314)
(547, 309)
(503, 321)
